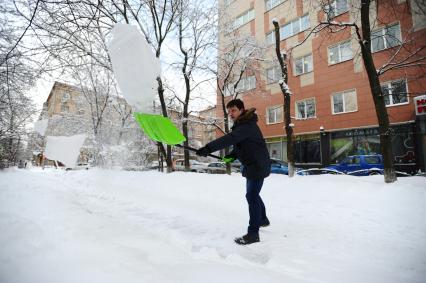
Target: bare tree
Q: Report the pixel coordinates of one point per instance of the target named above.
(65, 27)
(283, 82)
(238, 57)
(404, 54)
(97, 86)
(197, 35)
(17, 74)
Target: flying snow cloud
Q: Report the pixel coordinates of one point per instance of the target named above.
(64, 149)
(40, 126)
(135, 66)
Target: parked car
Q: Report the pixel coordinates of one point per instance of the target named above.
(318, 171)
(79, 166)
(155, 164)
(216, 168)
(219, 168)
(280, 167)
(360, 165)
(195, 166)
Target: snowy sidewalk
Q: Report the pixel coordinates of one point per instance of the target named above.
(113, 226)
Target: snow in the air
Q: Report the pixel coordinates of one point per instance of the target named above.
(64, 149)
(118, 226)
(40, 126)
(135, 67)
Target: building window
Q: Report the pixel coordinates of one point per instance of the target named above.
(275, 114)
(294, 27)
(307, 150)
(344, 102)
(244, 18)
(275, 150)
(339, 53)
(305, 108)
(65, 108)
(270, 38)
(385, 37)
(336, 8)
(395, 92)
(65, 97)
(246, 83)
(269, 4)
(273, 75)
(303, 65)
(227, 2)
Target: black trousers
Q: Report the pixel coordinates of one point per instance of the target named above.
(256, 206)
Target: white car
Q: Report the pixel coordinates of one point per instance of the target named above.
(219, 168)
(79, 166)
(195, 166)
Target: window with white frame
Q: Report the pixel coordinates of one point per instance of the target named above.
(305, 108)
(273, 75)
(336, 8)
(344, 102)
(246, 83)
(274, 114)
(244, 18)
(270, 38)
(340, 52)
(65, 97)
(65, 108)
(303, 65)
(294, 27)
(385, 37)
(269, 4)
(227, 2)
(395, 92)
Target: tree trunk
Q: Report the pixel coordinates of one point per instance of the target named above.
(186, 144)
(379, 103)
(226, 127)
(167, 154)
(282, 57)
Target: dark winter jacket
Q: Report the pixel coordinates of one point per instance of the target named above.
(249, 146)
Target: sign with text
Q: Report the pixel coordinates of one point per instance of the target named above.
(420, 104)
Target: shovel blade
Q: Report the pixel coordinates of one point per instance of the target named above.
(159, 128)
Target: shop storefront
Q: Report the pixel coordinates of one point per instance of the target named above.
(322, 149)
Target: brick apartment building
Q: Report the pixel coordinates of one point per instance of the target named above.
(332, 108)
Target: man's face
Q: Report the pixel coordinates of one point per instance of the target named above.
(234, 112)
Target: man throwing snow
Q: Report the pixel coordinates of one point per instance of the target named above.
(250, 149)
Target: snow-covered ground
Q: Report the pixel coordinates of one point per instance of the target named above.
(115, 226)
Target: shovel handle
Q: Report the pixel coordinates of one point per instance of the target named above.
(194, 149)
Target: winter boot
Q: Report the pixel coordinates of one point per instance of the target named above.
(247, 239)
(265, 223)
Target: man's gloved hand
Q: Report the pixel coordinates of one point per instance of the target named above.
(228, 158)
(203, 151)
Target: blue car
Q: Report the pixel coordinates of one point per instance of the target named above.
(360, 165)
(279, 166)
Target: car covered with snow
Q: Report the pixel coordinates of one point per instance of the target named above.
(280, 167)
(219, 168)
(195, 166)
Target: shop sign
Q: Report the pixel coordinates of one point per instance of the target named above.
(420, 104)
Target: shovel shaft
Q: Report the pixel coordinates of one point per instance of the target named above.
(194, 149)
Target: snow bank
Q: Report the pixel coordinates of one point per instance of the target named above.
(64, 149)
(135, 67)
(112, 226)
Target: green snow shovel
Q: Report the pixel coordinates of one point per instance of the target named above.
(161, 129)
